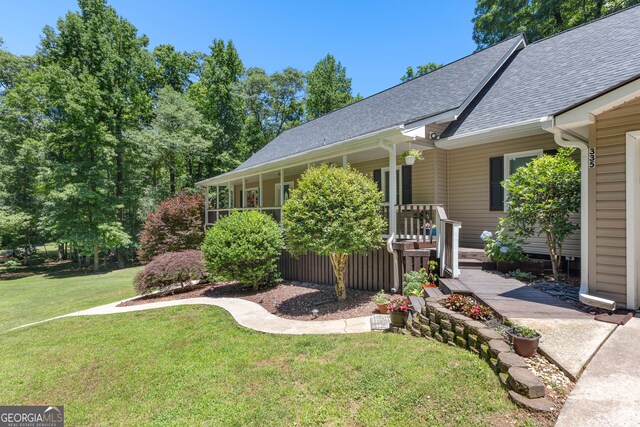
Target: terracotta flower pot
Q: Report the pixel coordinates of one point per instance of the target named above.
(383, 308)
(398, 318)
(525, 347)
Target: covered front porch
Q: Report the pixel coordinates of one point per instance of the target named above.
(413, 203)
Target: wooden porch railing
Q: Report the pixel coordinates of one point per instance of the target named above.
(448, 244)
(414, 221)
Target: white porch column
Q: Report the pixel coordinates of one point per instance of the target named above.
(244, 194)
(217, 196)
(206, 207)
(260, 191)
(344, 161)
(392, 189)
(281, 193)
(229, 196)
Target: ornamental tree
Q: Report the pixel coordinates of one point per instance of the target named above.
(176, 225)
(334, 211)
(541, 198)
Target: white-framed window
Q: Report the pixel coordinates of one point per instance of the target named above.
(513, 161)
(251, 197)
(385, 185)
(287, 187)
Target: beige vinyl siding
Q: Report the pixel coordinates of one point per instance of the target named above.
(608, 266)
(468, 199)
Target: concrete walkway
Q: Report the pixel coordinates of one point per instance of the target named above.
(570, 337)
(608, 392)
(246, 313)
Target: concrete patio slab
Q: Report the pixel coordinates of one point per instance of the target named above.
(246, 313)
(569, 343)
(608, 392)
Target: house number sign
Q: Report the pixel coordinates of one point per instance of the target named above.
(592, 157)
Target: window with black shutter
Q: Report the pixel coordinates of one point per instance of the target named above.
(496, 176)
(377, 178)
(406, 185)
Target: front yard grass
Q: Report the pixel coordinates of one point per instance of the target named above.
(42, 296)
(194, 365)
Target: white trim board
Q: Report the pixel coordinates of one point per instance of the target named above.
(633, 218)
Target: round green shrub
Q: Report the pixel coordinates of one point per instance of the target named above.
(244, 247)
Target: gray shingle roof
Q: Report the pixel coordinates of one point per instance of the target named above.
(442, 90)
(548, 76)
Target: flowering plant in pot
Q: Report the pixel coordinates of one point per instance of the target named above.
(399, 311)
(525, 340)
(382, 301)
(411, 155)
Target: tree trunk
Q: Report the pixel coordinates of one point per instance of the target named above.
(60, 252)
(555, 260)
(96, 258)
(172, 179)
(339, 263)
(120, 258)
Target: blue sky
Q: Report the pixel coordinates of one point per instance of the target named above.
(375, 40)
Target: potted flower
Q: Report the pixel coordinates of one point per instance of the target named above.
(399, 311)
(525, 340)
(382, 301)
(411, 155)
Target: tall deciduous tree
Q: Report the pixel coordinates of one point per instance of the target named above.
(174, 142)
(96, 67)
(421, 70)
(496, 20)
(274, 104)
(328, 87)
(218, 98)
(175, 69)
(334, 211)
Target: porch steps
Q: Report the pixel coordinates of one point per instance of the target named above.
(417, 303)
(453, 286)
(470, 263)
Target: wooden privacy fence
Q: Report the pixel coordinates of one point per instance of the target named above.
(370, 272)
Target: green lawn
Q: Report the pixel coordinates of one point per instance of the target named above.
(195, 366)
(42, 296)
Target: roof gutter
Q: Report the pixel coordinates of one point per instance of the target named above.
(565, 139)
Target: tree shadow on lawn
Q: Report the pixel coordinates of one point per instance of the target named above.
(57, 270)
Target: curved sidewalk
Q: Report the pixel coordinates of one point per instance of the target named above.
(246, 313)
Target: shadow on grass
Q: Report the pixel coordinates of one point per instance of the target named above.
(56, 270)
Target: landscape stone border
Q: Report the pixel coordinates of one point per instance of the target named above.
(435, 321)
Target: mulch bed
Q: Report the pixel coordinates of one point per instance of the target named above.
(291, 300)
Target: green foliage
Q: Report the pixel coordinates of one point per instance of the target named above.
(175, 142)
(171, 269)
(218, 98)
(503, 245)
(244, 247)
(333, 210)
(542, 196)
(468, 306)
(328, 87)
(413, 281)
(524, 332)
(420, 71)
(496, 20)
(523, 276)
(274, 104)
(381, 298)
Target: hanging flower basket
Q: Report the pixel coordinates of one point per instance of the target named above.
(410, 156)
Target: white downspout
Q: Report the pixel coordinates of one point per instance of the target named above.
(565, 140)
(392, 211)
